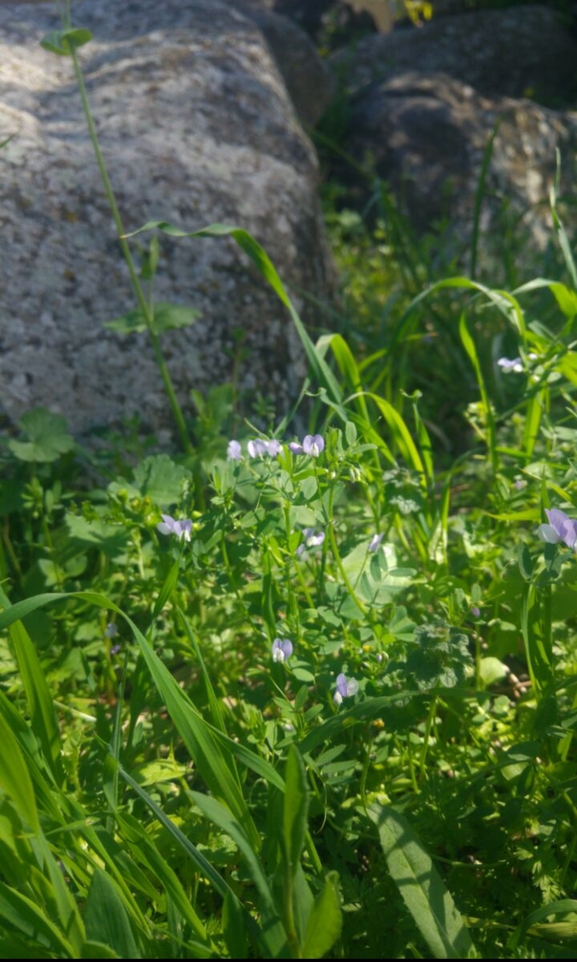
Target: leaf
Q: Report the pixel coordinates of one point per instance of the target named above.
(14, 777)
(295, 809)
(63, 42)
(421, 886)
(106, 919)
(43, 715)
(47, 434)
(273, 934)
(234, 928)
(161, 480)
(23, 915)
(167, 317)
(97, 950)
(325, 921)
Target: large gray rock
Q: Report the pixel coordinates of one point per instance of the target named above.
(196, 127)
(309, 81)
(426, 137)
(523, 51)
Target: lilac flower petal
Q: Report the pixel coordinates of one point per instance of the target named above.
(476, 612)
(547, 533)
(376, 542)
(257, 448)
(282, 649)
(300, 550)
(295, 447)
(352, 687)
(507, 364)
(313, 445)
(234, 452)
(115, 649)
(273, 448)
(342, 685)
(181, 529)
(565, 527)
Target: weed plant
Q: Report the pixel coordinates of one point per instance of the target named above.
(317, 698)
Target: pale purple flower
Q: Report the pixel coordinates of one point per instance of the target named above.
(273, 448)
(313, 444)
(312, 539)
(257, 448)
(476, 612)
(376, 543)
(111, 630)
(295, 447)
(233, 452)
(282, 649)
(560, 528)
(169, 525)
(115, 649)
(345, 689)
(506, 364)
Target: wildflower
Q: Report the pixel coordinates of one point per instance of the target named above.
(233, 452)
(115, 649)
(111, 630)
(313, 444)
(476, 612)
(375, 543)
(282, 649)
(257, 448)
(312, 539)
(560, 528)
(345, 689)
(273, 448)
(181, 529)
(295, 447)
(506, 365)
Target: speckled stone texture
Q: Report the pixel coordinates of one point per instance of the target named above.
(516, 52)
(426, 137)
(196, 127)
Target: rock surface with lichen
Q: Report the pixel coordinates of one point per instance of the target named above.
(427, 136)
(196, 127)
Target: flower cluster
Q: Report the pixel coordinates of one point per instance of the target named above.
(312, 444)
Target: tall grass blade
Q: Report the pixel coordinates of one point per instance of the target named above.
(42, 712)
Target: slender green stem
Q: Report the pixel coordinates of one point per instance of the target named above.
(137, 287)
(430, 722)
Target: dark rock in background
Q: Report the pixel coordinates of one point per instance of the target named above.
(426, 135)
(309, 81)
(516, 52)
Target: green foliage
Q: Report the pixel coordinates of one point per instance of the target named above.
(333, 713)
